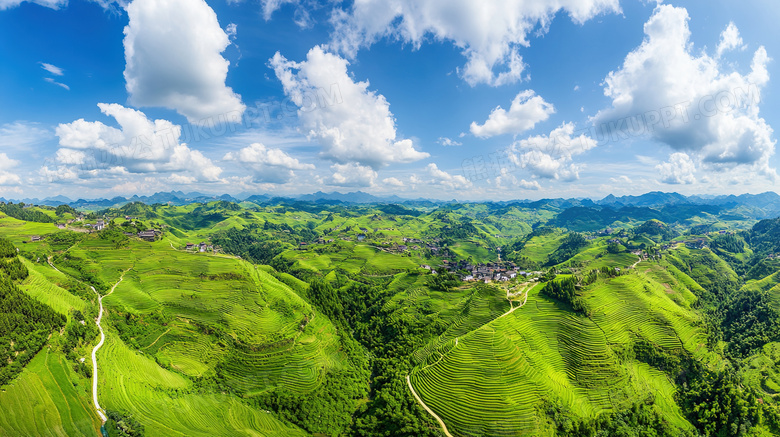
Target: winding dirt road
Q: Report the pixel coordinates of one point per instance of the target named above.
(100, 411)
(633, 266)
(435, 416)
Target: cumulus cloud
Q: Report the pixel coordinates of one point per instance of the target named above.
(679, 169)
(177, 63)
(441, 177)
(394, 182)
(91, 149)
(526, 110)
(507, 181)
(7, 163)
(6, 177)
(489, 34)
(447, 142)
(730, 40)
(268, 164)
(351, 122)
(352, 175)
(687, 101)
(551, 156)
(528, 185)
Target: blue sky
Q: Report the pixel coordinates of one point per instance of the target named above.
(441, 99)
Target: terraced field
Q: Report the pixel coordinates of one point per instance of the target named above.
(198, 339)
(492, 380)
(168, 403)
(354, 258)
(42, 285)
(48, 399)
(539, 247)
(286, 343)
(200, 314)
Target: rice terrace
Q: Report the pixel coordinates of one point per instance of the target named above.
(277, 318)
(389, 218)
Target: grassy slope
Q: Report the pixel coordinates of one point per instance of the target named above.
(255, 307)
(42, 285)
(492, 381)
(48, 399)
(168, 404)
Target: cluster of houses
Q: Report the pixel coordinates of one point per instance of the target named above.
(148, 235)
(98, 226)
(415, 244)
(202, 247)
(699, 243)
(490, 272)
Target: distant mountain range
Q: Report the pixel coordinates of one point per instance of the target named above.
(762, 205)
(181, 198)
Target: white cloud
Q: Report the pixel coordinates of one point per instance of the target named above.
(529, 185)
(395, 182)
(23, 136)
(352, 123)
(730, 40)
(231, 31)
(6, 177)
(441, 177)
(52, 81)
(178, 179)
(140, 146)
(447, 142)
(177, 63)
(7, 163)
(268, 164)
(53, 69)
(301, 15)
(623, 179)
(646, 160)
(507, 180)
(679, 170)
(53, 4)
(550, 156)
(352, 175)
(526, 110)
(667, 92)
(489, 34)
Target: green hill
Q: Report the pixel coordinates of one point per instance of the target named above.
(301, 318)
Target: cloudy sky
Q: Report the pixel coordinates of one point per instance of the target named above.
(507, 99)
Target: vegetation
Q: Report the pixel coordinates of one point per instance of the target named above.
(20, 211)
(564, 291)
(570, 246)
(316, 318)
(25, 325)
(121, 425)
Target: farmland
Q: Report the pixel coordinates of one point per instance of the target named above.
(306, 319)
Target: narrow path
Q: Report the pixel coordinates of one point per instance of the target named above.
(52, 265)
(633, 266)
(435, 416)
(100, 411)
(158, 339)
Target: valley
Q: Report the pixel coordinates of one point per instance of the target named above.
(281, 318)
